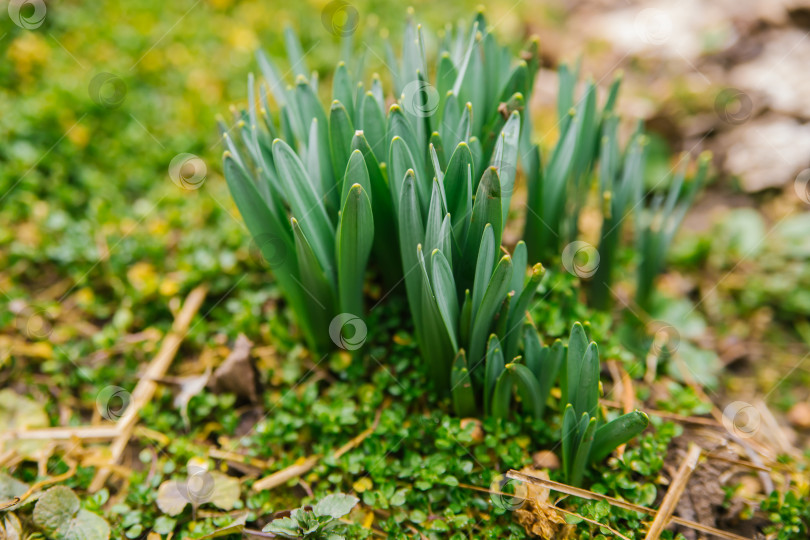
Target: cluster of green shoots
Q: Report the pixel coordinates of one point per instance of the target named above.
(419, 192)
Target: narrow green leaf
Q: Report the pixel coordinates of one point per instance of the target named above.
(520, 260)
(465, 320)
(444, 287)
(583, 450)
(355, 237)
(586, 399)
(550, 365)
(277, 247)
(529, 389)
(502, 394)
(295, 53)
(486, 210)
(445, 77)
(342, 88)
(519, 308)
(493, 297)
(305, 202)
(462, 389)
(355, 173)
(505, 160)
(400, 160)
(577, 344)
(492, 371)
(386, 246)
(570, 439)
(310, 108)
(316, 285)
(435, 217)
(340, 138)
(617, 432)
(411, 235)
(484, 266)
(435, 343)
(457, 186)
(373, 125)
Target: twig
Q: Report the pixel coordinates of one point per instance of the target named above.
(63, 433)
(298, 469)
(674, 493)
(286, 474)
(557, 508)
(697, 420)
(590, 495)
(145, 389)
(42, 483)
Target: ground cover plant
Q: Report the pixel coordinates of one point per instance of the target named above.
(452, 300)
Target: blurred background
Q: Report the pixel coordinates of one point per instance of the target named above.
(99, 240)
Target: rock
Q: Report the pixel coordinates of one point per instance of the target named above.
(799, 415)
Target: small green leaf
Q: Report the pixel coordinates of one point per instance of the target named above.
(58, 512)
(336, 505)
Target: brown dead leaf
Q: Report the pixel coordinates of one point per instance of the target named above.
(536, 516)
(236, 373)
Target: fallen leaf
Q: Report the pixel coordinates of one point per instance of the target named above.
(199, 487)
(190, 387)
(236, 374)
(20, 412)
(170, 498)
(11, 528)
(59, 514)
(535, 515)
(226, 491)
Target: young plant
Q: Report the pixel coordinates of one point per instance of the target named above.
(586, 438)
(490, 390)
(621, 179)
(558, 187)
(423, 192)
(658, 224)
(422, 183)
(319, 523)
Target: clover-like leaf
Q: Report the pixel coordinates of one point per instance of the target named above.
(59, 514)
(336, 505)
(170, 498)
(286, 527)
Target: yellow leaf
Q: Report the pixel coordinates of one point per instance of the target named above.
(364, 484)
